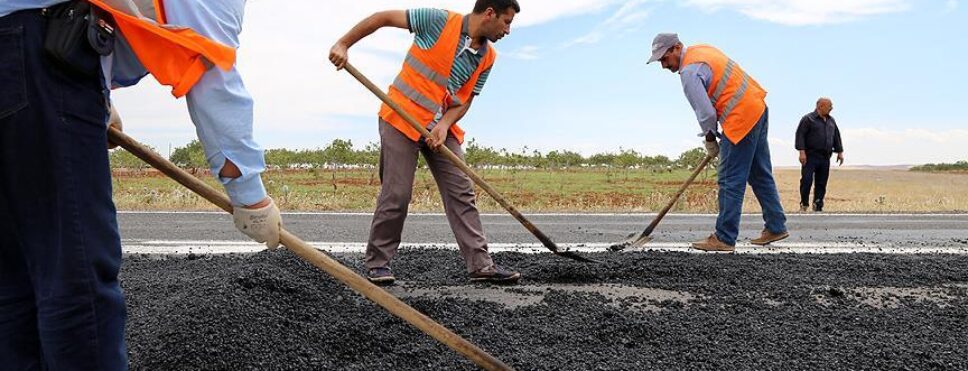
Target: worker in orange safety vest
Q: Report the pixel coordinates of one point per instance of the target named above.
(723, 95)
(443, 72)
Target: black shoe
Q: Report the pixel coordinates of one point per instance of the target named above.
(495, 274)
(380, 276)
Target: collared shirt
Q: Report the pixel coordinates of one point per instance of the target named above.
(817, 134)
(696, 78)
(427, 24)
(10, 6)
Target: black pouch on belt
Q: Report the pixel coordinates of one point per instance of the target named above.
(76, 34)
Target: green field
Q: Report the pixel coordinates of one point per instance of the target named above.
(564, 190)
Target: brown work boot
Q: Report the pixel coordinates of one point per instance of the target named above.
(768, 237)
(712, 243)
(496, 274)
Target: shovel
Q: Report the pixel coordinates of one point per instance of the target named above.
(646, 235)
(467, 170)
(320, 260)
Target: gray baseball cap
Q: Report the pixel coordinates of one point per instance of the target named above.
(661, 44)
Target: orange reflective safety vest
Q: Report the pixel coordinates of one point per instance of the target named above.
(175, 56)
(421, 87)
(739, 100)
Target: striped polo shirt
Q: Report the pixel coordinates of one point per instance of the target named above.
(427, 24)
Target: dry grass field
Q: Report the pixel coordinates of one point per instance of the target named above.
(571, 190)
(880, 191)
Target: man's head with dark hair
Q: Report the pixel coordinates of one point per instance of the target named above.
(496, 17)
(498, 5)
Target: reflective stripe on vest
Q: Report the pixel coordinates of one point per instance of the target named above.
(415, 95)
(737, 97)
(418, 66)
(722, 82)
(151, 9)
(421, 89)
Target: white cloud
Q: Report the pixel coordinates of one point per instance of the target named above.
(805, 12)
(627, 18)
(951, 5)
(535, 12)
(527, 52)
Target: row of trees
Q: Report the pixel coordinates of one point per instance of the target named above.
(957, 166)
(342, 153)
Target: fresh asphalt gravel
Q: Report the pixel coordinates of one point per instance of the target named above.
(637, 310)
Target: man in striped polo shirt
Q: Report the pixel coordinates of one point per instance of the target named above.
(446, 67)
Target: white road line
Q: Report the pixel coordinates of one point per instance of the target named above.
(811, 215)
(184, 247)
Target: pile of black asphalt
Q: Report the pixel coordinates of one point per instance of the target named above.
(271, 311)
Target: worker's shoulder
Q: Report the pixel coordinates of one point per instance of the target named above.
(704, 46)
(429, 13)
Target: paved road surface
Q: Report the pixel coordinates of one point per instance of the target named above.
(157, 232)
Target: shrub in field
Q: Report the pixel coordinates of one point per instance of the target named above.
(691, 158)
(122, 159)
(190, 156)
(957, 166)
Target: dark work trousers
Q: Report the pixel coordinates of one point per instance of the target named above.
(817, 168)
(398, 162)
(61, 306)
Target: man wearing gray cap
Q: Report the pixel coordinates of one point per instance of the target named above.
(722, 94)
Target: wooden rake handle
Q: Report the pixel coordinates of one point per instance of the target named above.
(672, 202)
(322, 261)
(455, 160)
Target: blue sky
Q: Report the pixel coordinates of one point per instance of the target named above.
(572, 75)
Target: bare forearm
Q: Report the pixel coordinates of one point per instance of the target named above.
(395, 18)
(455, 114)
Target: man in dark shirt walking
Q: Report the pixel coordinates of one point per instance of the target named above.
(817, 139)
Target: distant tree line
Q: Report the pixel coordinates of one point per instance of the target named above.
(342, 153)
(957, 166)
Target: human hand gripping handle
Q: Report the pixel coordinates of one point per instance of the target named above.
(114, 122)
(262, 224)
(437, 136)
(712, 146)
(338, 54)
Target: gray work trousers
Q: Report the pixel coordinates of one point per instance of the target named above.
(398, 163)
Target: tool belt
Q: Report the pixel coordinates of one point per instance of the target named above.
(76, 33)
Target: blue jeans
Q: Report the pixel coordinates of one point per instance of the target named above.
(747, 162)
(61, 306)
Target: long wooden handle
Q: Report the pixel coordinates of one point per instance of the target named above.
(454, 159)
(320, 260)
(682, 189)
